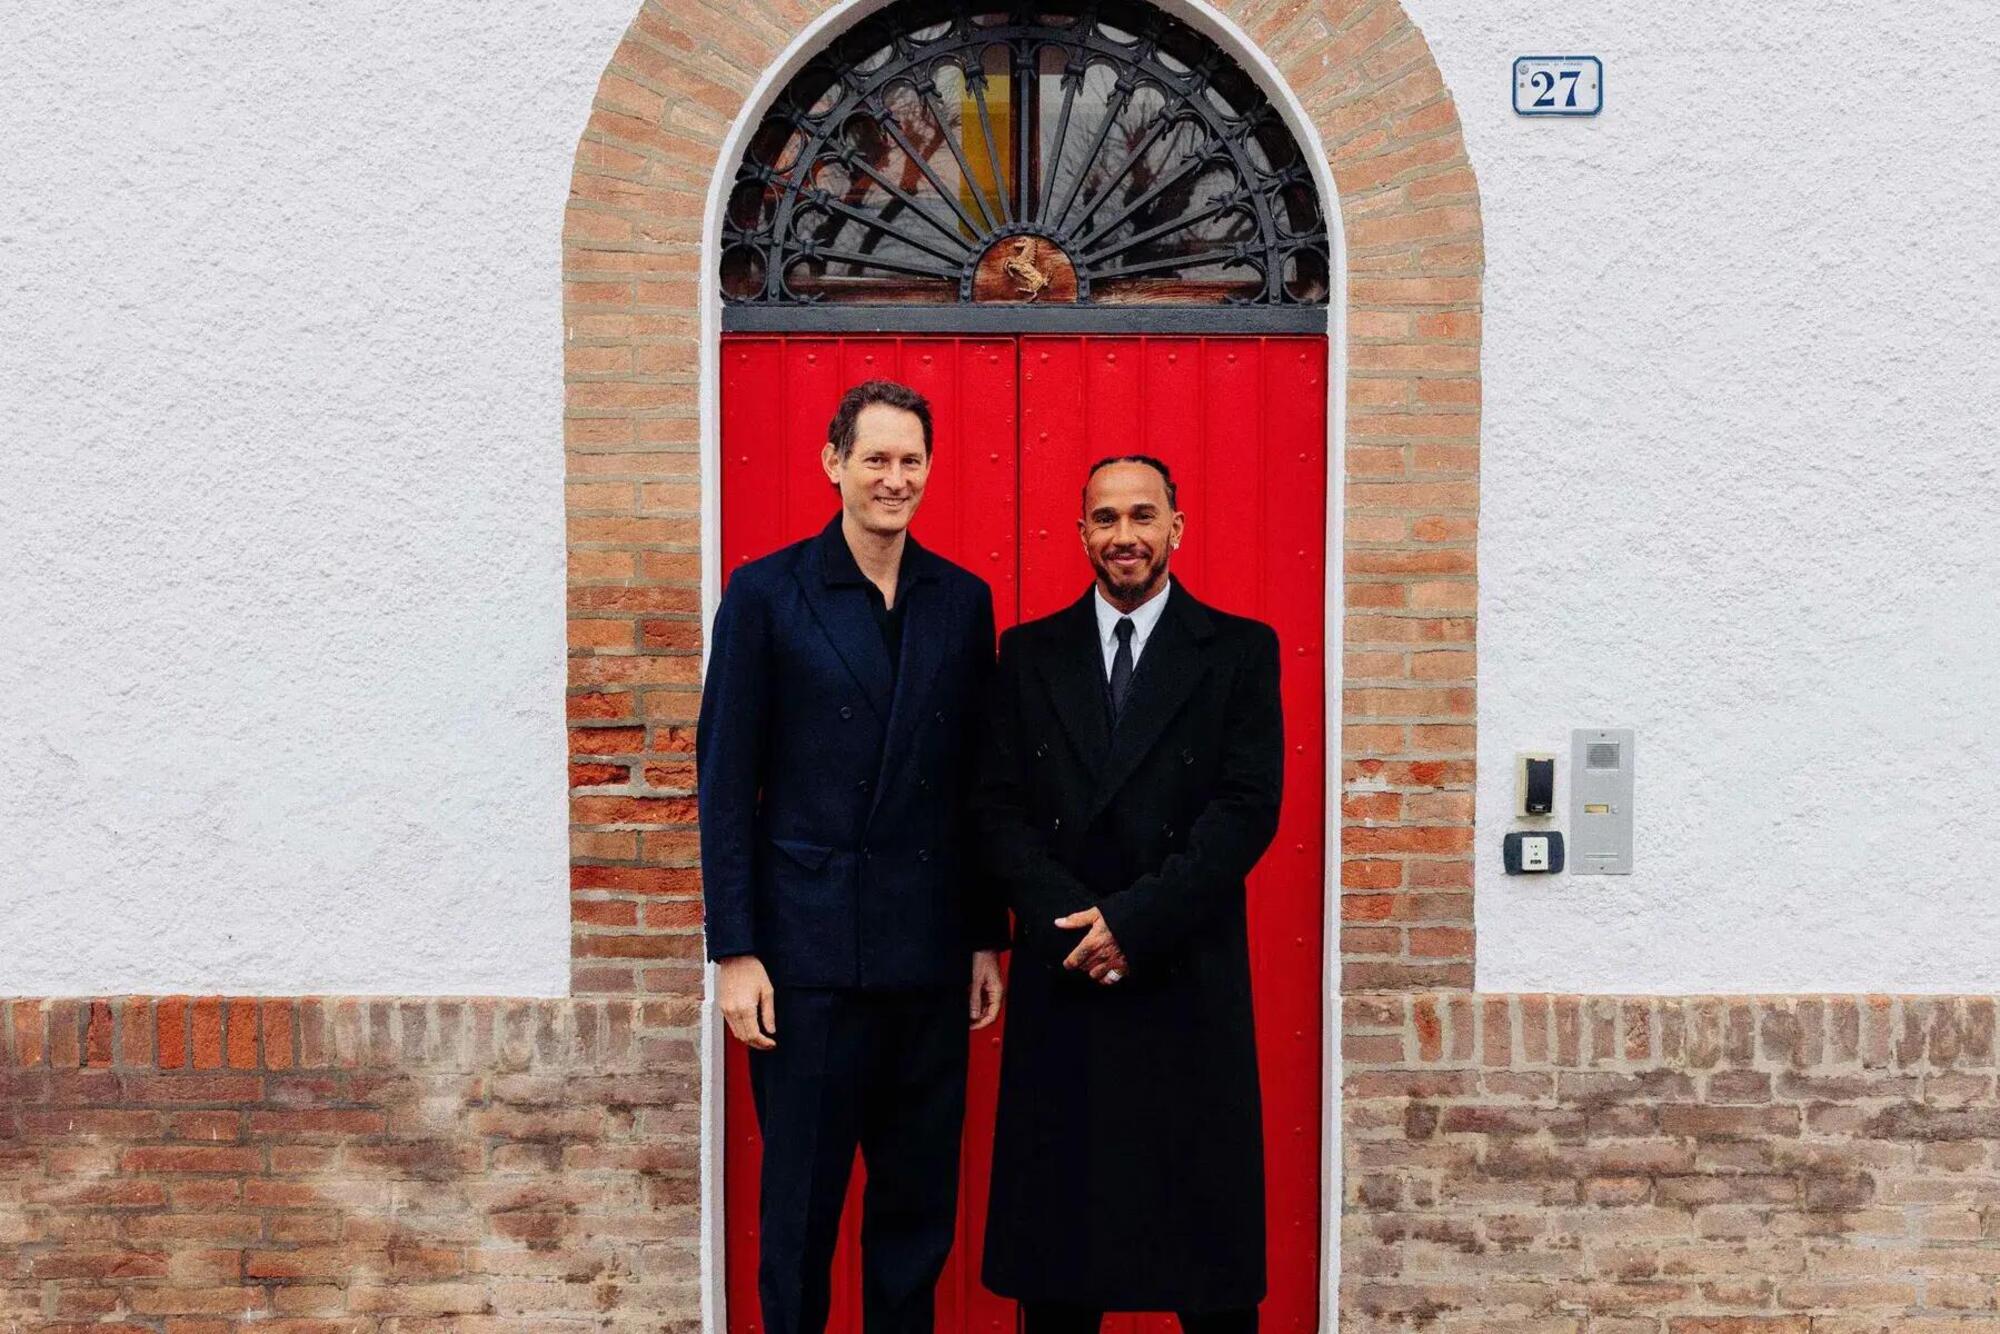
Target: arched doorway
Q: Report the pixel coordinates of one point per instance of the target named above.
(1080, 230)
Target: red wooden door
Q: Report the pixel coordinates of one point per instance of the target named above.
(1242, 423)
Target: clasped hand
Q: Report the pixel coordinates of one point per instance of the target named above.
(1097, 953)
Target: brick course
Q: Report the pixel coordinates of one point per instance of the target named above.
(1703, 1165)
(347, 1165)
(1561, 1164)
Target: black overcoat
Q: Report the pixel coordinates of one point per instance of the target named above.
(1128, 1169)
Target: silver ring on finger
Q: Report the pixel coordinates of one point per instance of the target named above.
(1113, 975)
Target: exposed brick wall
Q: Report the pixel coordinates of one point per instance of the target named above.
(1587, 1165)
(347, 1166)
(1600, 1165)
(631, 257)
(632, 241)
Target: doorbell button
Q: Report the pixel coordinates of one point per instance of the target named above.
(1532, 852)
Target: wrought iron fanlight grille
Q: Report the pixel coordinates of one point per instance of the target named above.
(942, 152)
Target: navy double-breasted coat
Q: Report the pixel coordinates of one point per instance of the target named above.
(832, 791)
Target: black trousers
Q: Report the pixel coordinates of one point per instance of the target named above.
(883, 1071)
(1059, 1318)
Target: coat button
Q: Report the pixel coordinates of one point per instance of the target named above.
(863, 785)
(923, 854)
(846, 712)
(940, 715)
(1167, 829)
(1042, 751)
(1187, 757)
(1056, 823)
(924, 784)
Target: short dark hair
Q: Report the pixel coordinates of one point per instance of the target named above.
(840, 431)
(1157, 465)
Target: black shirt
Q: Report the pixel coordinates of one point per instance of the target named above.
(840, 563)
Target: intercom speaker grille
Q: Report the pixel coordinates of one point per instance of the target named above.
(1602, 755)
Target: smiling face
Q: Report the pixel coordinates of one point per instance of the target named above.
(1129, 530)
(881, 479)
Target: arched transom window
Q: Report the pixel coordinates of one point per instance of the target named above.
(1061, 154)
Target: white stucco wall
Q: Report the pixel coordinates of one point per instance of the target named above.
(281, 531)
(1740, 486)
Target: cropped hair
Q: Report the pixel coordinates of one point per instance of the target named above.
(840, 432)
(1157, 465)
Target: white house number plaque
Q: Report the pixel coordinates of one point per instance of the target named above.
(1558, 85)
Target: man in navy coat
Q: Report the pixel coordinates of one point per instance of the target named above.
(846, 679)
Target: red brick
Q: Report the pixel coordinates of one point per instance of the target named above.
(604, 912)
(188, 1158)
(242, 1034)
(637, 947)
(135, 1030)
(588, 705)
(171, 1028)
(599, 775)
(1372, 806)
(1355, 840)
(65, 1020)
(637, 879)
(678, 776)
(98, 1034)
(277, 1021)
(1355, 941)
(206, 1021)
(673, 914)
(633, 810)
(29, 1040)
(606, 740)
(1359, 874)
(601, 634)
(192, 1088)
(1440, 943)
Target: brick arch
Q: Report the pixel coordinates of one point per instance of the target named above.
(633, 361)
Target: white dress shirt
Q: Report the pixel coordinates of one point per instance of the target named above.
(1144, 618)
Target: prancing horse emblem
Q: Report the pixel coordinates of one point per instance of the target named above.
(1020, 266)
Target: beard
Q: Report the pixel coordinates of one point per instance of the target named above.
(1131, 588)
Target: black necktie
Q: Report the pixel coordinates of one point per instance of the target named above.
(1121, 667)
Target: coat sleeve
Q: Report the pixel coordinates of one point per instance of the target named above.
(1161, 911)
(986, 905)
(730, 737)
(1024, 874)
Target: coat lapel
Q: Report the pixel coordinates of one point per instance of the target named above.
(849, 625)
(1074, 677)
(1169, 670)
(924, 645)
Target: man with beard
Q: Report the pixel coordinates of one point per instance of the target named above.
(844, 688)
(1130, 781)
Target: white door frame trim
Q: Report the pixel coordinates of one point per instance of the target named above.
(1220, 29)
